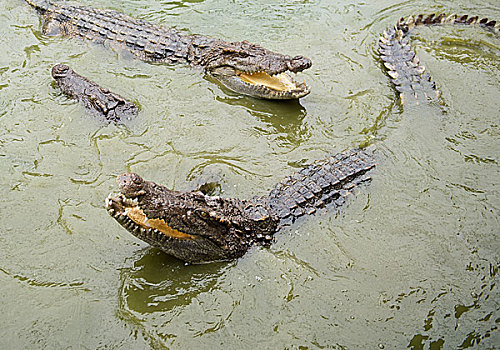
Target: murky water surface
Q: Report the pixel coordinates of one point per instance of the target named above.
(411, 262)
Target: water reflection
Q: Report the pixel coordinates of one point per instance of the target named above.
(161, 283)
(284, 118)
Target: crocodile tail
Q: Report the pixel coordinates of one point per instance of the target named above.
(433, 19)
(40, 5)
(403, 66)
(324, 182)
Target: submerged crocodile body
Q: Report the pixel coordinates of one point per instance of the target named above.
(96, 99)
(243, 67)
(197, 228)
(403, 66)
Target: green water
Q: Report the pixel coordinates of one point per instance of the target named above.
(411, 262)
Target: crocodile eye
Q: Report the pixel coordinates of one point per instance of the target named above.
(202, 213)
(137, 180)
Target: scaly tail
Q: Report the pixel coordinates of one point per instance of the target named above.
(408, 76)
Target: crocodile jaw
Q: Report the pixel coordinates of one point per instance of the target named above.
(259, 84)
(193, 248)
(127, 212)
(160, 217)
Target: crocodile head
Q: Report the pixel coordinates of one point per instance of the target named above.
(188, 225)
(255, 71)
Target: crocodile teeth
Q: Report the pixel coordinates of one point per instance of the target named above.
(129, 201)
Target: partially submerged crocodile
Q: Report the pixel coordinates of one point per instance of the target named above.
(96, 99)
(243, 67)
(408, 76)
(199, 228)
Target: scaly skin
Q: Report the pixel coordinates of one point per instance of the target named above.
(96, 99)
(403, 66)
(244, 67)
(198, 228)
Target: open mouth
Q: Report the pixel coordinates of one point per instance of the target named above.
(278, 82)
(129, 214)
(261, 84)
(280, 85)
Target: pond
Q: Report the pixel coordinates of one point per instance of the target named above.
(411, 260)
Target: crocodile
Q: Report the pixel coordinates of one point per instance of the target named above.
(243, 67)
(96, 99)
(409, 78)
(199, 228)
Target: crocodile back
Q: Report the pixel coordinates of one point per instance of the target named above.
(147, 41)
(324, 182)
(96, 99)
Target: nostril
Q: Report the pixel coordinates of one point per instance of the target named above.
(300, 63)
